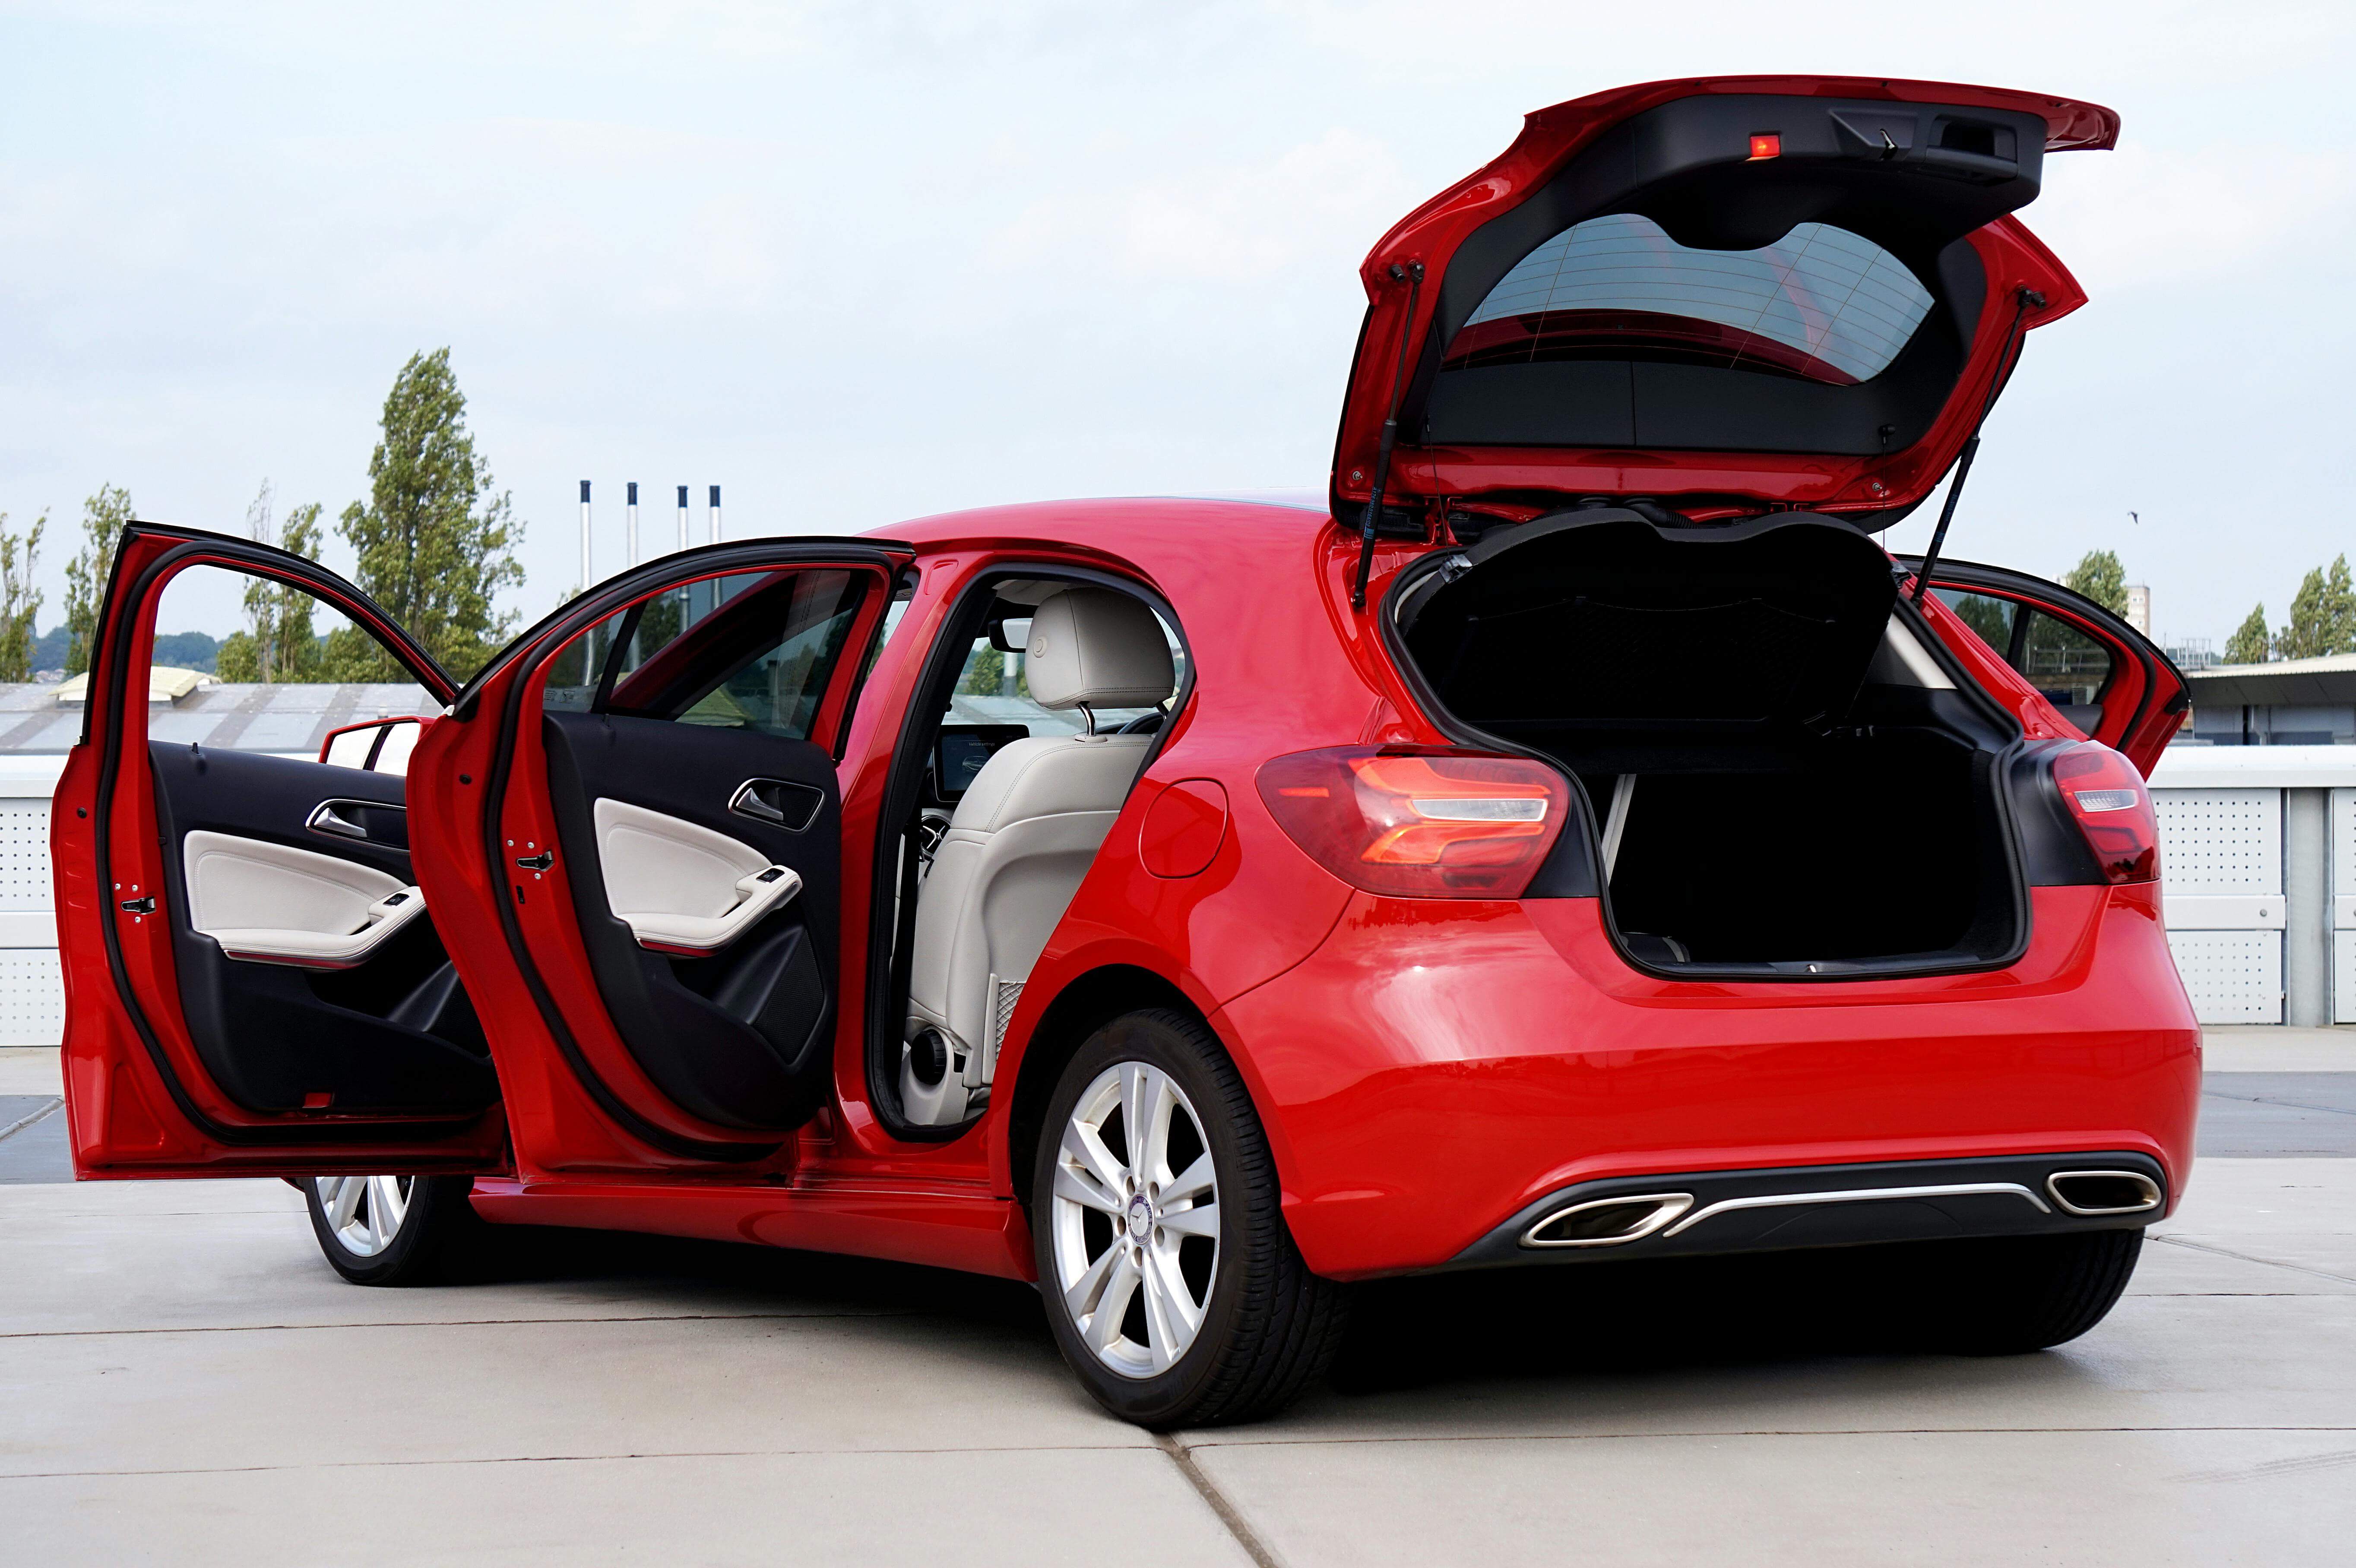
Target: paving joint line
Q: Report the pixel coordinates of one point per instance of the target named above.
(1229, 1515)
(2245, 1257)
(1740, 1432)
(1183, 1454)
(457, 1323)
(21, 1123)
(582, 1459)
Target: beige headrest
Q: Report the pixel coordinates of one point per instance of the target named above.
(1092, 648)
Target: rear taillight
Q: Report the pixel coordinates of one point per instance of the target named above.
(1420, 822)
(2113, 808)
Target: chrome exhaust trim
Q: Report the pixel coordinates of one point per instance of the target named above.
(1664, 1207)
(1865, 1195)
(2145, 1190)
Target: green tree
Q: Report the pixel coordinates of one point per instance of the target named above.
(19, 600)
(2322, 615)
(279, 643)
(434, 544)
(2252, 644)
(103, 517)
(2099, 576)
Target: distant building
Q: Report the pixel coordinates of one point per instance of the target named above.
(2288, 702)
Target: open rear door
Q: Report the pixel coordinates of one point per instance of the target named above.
(2101, 674)
(636, 840)
(254, 982)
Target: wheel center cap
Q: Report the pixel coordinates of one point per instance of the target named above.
(1140, 1217)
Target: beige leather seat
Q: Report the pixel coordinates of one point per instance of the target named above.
(1022, 839)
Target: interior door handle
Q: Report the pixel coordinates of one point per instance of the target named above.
(325, 818)
(781, 803)
(751, 804)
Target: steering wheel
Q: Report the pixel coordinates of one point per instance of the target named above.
(1144, 724)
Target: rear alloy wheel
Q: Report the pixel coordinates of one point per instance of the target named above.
(1171, 1280)
(389, 1229)
(2012, 1296)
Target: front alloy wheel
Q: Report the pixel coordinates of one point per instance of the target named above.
(1171, 1278)
(365, 1213)
(389, 1229)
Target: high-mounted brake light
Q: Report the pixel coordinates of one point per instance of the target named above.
(1767, 144)
(2113, 809)
(1420, 822)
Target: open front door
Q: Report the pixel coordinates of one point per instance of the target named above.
(2099, 673)
(254, 980)
(639, 834)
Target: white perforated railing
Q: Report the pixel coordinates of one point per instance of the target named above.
(2235, 907)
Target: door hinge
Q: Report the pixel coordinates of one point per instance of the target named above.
(139, 906)
(540, 862)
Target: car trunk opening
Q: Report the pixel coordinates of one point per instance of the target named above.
(1784, 779)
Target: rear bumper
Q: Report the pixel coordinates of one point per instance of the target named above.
(1709, 1213)
(1436, 1069)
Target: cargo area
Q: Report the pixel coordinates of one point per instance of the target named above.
(1784, 779)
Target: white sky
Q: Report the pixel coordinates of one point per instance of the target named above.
(864, 262)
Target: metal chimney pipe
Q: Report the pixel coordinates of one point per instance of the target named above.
(712, 510)
(633, 530)
(682, 516)
(584, 536)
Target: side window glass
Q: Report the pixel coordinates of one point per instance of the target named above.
(1984, 614)
(2069, 667)
(749, 651)
(245, 663)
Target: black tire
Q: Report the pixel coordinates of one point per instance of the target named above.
(1270, 1328)
(435, 1234)
(2012, 1296)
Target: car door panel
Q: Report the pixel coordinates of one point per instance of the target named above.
(385, 1030)
(2142, 696)
(739, 1037)
(182, 1060)
(503, 816)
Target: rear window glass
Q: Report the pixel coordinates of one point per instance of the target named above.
(1820, 304)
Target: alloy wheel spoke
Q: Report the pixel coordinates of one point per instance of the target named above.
(1145, 1120)
(346, 1201)
(1202, 1219)
(1084, 1189)
(1112, 1307)
(1080, 1296)
(1085, 1147)
(392, 1203)
(1193, 1182)
(1171, 1314)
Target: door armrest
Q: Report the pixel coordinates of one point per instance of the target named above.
(326, 949)
(694, 936)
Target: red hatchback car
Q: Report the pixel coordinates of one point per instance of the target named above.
(1572, 838)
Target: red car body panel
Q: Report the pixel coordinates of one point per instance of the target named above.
(1423, 1067)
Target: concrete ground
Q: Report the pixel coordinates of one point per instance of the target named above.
(182, 1380)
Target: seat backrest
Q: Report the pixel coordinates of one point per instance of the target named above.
(1028, 828)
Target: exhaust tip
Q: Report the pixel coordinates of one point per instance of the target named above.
(2093, 1193)
(1607, 1221)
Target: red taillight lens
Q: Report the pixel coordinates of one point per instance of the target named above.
(2113, 808)
(1418, 822)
